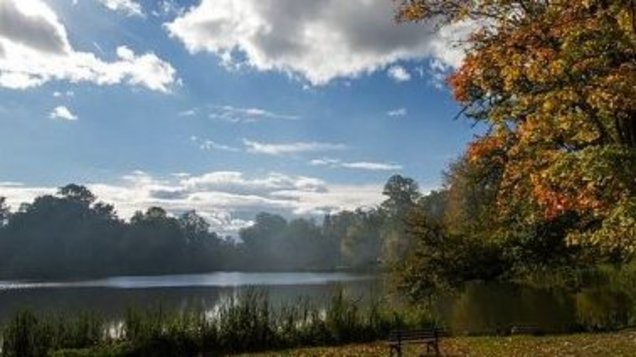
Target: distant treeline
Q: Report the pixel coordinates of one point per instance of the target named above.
(71, 234)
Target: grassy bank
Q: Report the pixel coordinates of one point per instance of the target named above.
(246, 323)
(250, 323)
(602, 344)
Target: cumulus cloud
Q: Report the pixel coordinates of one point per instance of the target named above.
(359, 165)
(37, 50)
(229, 200)
(63, 113)
(298, 147)
(317, 40)
(127, 7)
(398, 74)
(397, 112)
(246, 115)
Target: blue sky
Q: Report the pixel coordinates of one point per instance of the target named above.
(297, 107)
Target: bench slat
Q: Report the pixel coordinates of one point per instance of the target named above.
(408, 335)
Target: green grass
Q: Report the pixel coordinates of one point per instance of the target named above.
(602, 344)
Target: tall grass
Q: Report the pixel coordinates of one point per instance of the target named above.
(243, 323)
(29, 335)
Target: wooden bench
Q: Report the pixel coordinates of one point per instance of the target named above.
(525, 330)
(429, 337)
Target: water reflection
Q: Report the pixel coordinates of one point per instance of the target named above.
(479, 308)
(112, 296)
(217, 279)
(496, 308)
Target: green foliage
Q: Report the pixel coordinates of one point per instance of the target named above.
(29, 335)
(361, 244)
(442, 261)
(26, 336)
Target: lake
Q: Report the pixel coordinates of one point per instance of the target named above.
(112, 296)
(479, 308)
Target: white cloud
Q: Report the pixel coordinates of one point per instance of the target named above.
(68, 93)
(229, 200)
(17, 193)
(256, 147)
(275, 149)
(317, 40)
(187, 113)
(237, 183)
(324, 162)
(438, 71)
(128, 7)
(372, 166)
(63, 113)
(167, 8)
(36, 50)
(398, 74)
(398, 112)
(359, 165)
(213, 145)
(246, 115)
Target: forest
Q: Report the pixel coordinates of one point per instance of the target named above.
(73, 235)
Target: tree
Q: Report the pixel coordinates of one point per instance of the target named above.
(4, 217)
(261, 240)
(4, 211)
(155, 243)
(402, 196)
(61, 236)
(441, 260)
(555, 83)
(203, 247)
(361, 245)
(77, 193)
(194, 226)
(434, 205)
(471, 193)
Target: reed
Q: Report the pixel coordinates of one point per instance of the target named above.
(246, 322)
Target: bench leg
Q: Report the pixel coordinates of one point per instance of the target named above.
(432, 346)
(397, 349)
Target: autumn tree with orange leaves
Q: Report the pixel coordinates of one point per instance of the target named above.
(555, 83)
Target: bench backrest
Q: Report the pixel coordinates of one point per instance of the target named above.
(525, 330)
(414, 335)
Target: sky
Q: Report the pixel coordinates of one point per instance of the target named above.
(228, 107)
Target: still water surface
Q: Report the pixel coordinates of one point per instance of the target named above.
(112, 296)
(479, 308)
